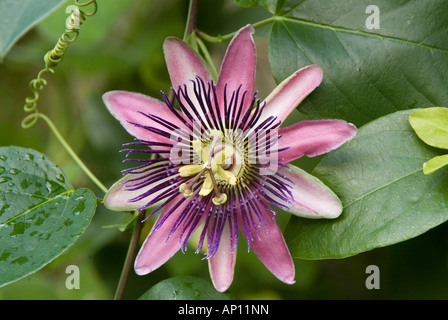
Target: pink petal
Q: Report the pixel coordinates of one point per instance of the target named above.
(238, 68)
(271, 249)
(312, 198)
(117, 197)
(222, 263)
(314, 137)
(156, 249)
(184, 65)
(127, 106)
(288, 94)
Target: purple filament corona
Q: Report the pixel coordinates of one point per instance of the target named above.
(159, 180)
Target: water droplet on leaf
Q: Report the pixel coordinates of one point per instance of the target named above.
(60, 178)
(5, 179)
(28, 157)
(48, 186)
(14, 171)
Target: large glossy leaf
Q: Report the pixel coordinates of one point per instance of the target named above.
(367, 72)
(183, 288)
(386, 197)
(41, 214)
(19, 16)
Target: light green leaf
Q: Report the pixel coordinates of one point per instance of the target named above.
(435, 164)
(386, 197)
(20, 16)
(368, 73)
(183, 288)
(41, 215)
(431, 125)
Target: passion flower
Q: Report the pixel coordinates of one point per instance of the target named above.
(218, 160)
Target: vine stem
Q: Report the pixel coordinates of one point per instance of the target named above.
(192, 18)
(130, 255)
(71, 152)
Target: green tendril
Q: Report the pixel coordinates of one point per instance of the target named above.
(53, 57)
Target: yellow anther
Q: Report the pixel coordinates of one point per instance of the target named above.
(189, 170)
(207, 186)
(227, 175)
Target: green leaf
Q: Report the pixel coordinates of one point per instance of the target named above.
(41, 215)
(183, 288)
(20, 16)
(435, 164)
(367, 73)
(431, 125)
(386, 197)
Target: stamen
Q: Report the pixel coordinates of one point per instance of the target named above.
(187, 188)
(207, 186)
(220, 198)
(227, 175)
(189, 170)
(211, 164)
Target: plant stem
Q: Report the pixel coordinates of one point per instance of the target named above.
(133, 245)
(219, 38)
(71, 152)
(192, 18)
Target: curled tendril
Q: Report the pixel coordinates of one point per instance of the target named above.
(85, 4)
(53, 57)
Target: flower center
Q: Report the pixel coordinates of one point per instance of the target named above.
(217, 166)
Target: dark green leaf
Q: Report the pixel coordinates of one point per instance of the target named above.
(41, 215)
(184, 288)
(367, 73)
(387, 198)
(19, 16)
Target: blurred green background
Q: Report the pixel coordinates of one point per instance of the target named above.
(120, 48)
